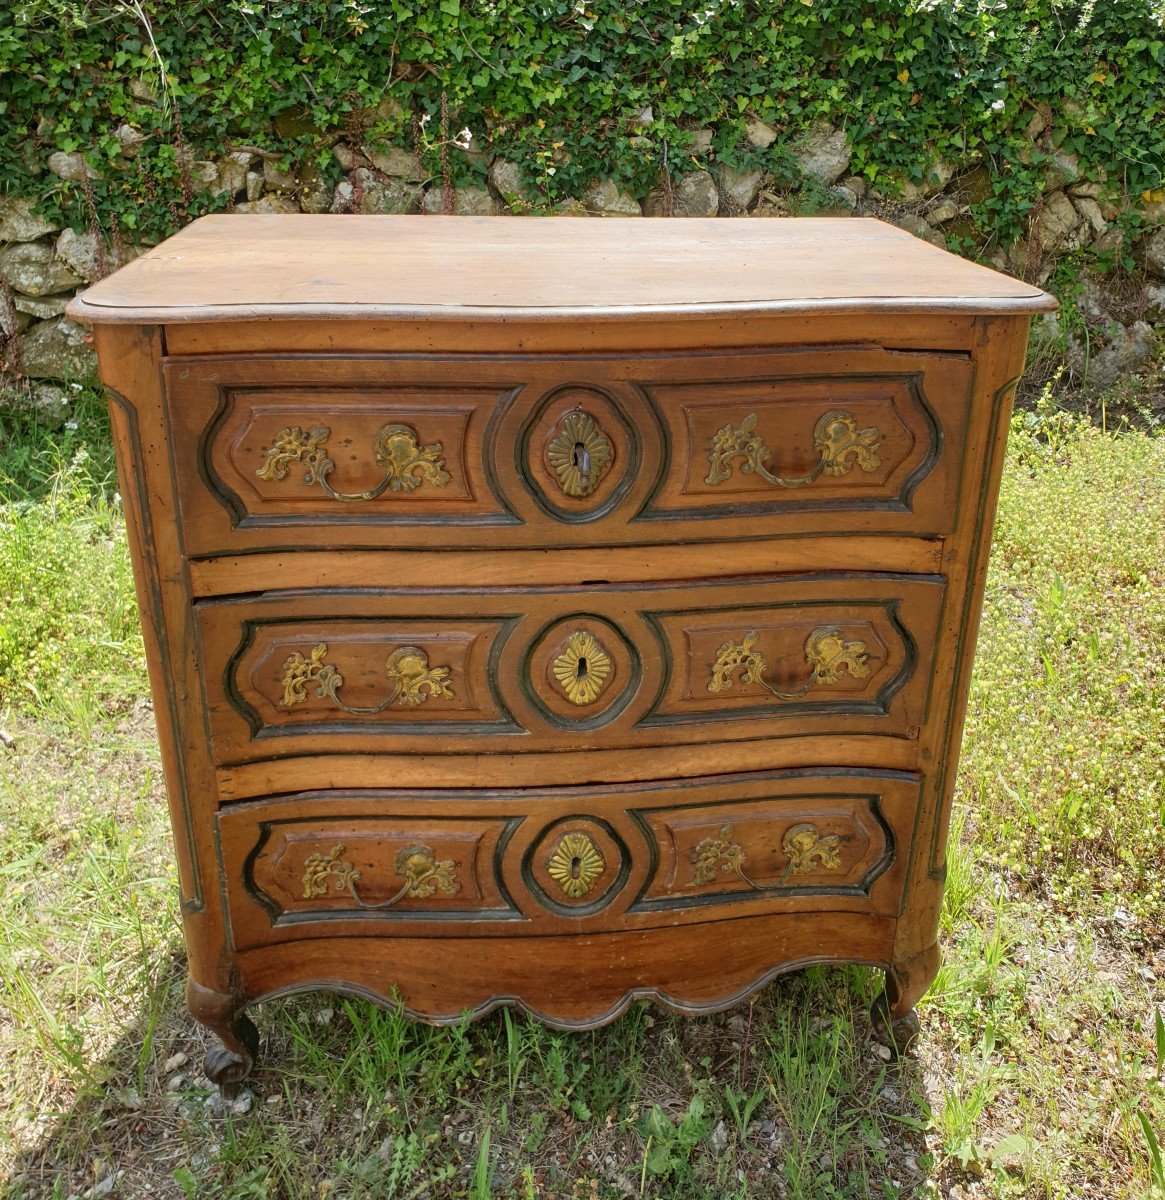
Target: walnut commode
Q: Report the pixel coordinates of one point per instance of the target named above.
(556, 612)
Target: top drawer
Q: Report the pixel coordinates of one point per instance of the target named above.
(289, 452)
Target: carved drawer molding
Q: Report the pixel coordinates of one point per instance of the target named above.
(305, 862)
(326, 453)
(648, 854)
(835, 843)
(362, 670)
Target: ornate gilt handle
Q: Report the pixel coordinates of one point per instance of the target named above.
(422, 872)
(413, 680)
(407, 463)
(827, 652)
(802, 845)
(836, 438)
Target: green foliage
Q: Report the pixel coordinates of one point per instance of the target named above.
(1156, 1162)
(34, 455)
(1067, 724)
(558, 86)
(668, 1147)
(70, 641)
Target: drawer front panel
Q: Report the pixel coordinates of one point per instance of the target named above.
(349, 861)
(710, 854)
(541, 669)
(305, 667)
(322, 452)
(304, 456)
(546, 860)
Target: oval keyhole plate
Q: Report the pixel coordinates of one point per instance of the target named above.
(579, 454)
(582, 668)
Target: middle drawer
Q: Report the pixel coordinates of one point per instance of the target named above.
(429, 670)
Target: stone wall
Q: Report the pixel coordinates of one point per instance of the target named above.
(1114, 314)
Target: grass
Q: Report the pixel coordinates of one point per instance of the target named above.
(70, 642)
(1040, 1069)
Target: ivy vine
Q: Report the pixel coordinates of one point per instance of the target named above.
(573, 90)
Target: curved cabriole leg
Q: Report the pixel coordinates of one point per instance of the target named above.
(896, 1024)
(230, 1062)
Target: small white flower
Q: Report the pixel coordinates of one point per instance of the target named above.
(997, 105)
(70, 424)
(551, 170)
(426, 118)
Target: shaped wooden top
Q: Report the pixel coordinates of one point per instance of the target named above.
(240, 268)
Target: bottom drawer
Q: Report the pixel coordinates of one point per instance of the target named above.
(547, 861)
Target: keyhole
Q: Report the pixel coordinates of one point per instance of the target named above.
(581, 458)
(575, 867)
(580, 670)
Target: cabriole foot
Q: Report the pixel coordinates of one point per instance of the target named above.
(897, 1034)
(895, 1022)
(230, 1061)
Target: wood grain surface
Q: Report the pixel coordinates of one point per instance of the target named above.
(575, 980)
(355, 267)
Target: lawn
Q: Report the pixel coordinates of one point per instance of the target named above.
(1040, 1068)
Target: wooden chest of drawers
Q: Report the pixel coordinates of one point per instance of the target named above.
(556, 612)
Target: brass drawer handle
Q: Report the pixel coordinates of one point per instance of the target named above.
(827, 652)
(407, 463)
(836, 437)
(413, 680)
(802, 845)
(423, 874)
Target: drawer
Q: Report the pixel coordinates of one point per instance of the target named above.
(288, 452)
(522, 861)
(513, 671)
